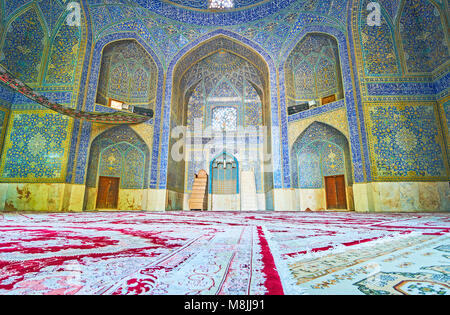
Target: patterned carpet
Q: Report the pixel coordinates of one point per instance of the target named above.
(224, 253)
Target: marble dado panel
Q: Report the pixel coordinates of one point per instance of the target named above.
(402, 197)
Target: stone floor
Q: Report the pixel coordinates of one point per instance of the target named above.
(224, 253)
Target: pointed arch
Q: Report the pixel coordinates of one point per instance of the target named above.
(209, 59)
(92, 85)
(352, 101)
(379, 45)
(315, 69)
(224, 167)
(63, 53)
(309, 163)
(119, 152)
(187, 56)
(99, 49)
(24, 44)
(422, 31)
(127, 74)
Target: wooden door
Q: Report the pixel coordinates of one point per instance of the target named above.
(335, 192)
(341, 192)
(330, 190)
(108, 192)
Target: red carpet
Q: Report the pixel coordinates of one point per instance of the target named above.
(206, 253)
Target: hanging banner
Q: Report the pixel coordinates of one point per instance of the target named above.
(115, 118)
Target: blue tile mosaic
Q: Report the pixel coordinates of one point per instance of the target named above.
(405, 60)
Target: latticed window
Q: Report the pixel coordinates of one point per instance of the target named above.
(224, 118)
(221, 4)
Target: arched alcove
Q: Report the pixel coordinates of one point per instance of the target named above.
(224, 183)
(118, 158)
(320, 157)
(128, 74)
(221, 87)
(313, 72)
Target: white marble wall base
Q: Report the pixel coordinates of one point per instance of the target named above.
(225, 202)
(402, 197)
